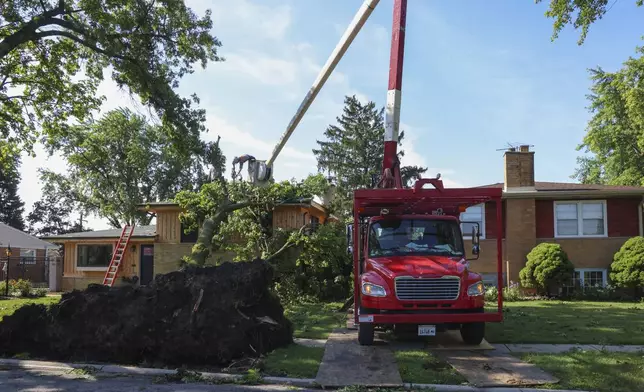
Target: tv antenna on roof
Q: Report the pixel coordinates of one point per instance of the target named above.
(515, 147)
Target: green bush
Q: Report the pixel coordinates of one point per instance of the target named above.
(23, 286)
(627, 269)
(40, 292)
(510, 294)
(547, 268)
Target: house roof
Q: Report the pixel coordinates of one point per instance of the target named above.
(20, 239)
(139, 232)
(547, 189)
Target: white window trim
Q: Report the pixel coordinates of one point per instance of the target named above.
(90, 268)
(580, 219)
(582, 270)
(482, 226)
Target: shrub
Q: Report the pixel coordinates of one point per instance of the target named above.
(627, 269)
(547, 268)
(510, 294)
(23, 286)
(39, 292)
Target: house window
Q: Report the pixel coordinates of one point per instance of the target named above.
(315, 222)
(580, 219)
(190, 237)
(93, 256)
(587, 277)
(28, 256)
(473, 214)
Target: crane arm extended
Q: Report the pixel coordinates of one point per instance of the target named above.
(356, 24)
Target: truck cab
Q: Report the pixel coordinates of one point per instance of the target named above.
(417, 264)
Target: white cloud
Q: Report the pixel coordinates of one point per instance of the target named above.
(265, 69)
(254, 19)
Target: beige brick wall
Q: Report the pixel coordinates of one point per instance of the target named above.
(72, 283)
(486, 263)
(589, 253)
(520, 234)
(519, 169)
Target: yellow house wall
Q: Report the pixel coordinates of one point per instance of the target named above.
(75, 278)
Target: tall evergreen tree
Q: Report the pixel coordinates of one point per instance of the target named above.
(11, 206)
(353, 150)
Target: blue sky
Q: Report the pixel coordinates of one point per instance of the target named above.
(477, 75)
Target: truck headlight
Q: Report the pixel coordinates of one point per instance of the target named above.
(373, 290)
(476, 289)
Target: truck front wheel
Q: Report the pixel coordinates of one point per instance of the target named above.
(365, 334)
(473, 333)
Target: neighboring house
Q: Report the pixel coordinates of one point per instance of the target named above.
(28, 254)
(591, 222)
(157, 248)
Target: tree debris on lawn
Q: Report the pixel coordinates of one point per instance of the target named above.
(210, 315)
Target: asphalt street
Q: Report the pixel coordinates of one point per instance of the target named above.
(15, 380)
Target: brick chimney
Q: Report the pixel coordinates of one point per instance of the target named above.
(519, 169)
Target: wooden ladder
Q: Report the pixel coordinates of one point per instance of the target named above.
(117, 256)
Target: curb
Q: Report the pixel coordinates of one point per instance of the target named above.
(297, 382)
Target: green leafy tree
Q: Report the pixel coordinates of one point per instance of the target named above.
(11, 205)
(53, 53)
(627, 269)
(547, 268)
(585, 13)
(353, 150)
(51, 215)
(615, 134)
(121, 161)
(237, 217)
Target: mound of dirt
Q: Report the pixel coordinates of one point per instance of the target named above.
(204, 316)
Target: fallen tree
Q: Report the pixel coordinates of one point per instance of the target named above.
(205, 316)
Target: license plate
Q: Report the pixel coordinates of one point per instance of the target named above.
(426, 330)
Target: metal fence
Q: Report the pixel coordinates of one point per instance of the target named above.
(34, 269)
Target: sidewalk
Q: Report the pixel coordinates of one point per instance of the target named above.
(292, 383)
(522, 348)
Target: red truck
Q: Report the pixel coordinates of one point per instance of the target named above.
(410, 263)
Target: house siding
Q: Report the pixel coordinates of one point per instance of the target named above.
(168, 227)
(623, 219)
(545, 218)
(73, 278)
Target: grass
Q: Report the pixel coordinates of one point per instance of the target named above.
(421, 367)
(8, 306)
(315, 320)
(293, 361)
(593, 370)
(569, 322)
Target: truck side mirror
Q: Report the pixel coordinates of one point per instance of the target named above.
(349, 238)
(476, 236)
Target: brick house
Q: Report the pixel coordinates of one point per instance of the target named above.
(156, 249)
(28, 258)
(591, 222)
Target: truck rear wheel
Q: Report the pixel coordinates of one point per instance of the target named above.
(365, 334)
(473, 333)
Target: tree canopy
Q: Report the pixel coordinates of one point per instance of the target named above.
(52, 214)
(11, 205)
(587, 12)
(353, 150)
(615, 133)
(121, 161)
(53, 53)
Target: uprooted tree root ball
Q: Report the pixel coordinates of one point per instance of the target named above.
(205, 316)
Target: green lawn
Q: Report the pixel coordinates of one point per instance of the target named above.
(316, 320)
(293, 361)
(421, 367)
(593, 370)
(8, 306)
(577, 322)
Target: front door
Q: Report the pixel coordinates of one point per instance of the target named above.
(147, 264)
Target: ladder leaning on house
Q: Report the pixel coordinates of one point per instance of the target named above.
(118, 255)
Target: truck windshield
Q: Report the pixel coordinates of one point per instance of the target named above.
(399, 237)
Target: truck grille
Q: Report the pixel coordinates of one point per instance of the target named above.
(446, 288)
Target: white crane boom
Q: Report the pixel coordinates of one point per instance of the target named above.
(356, 24)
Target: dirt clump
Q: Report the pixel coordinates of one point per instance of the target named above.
(204, 316)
